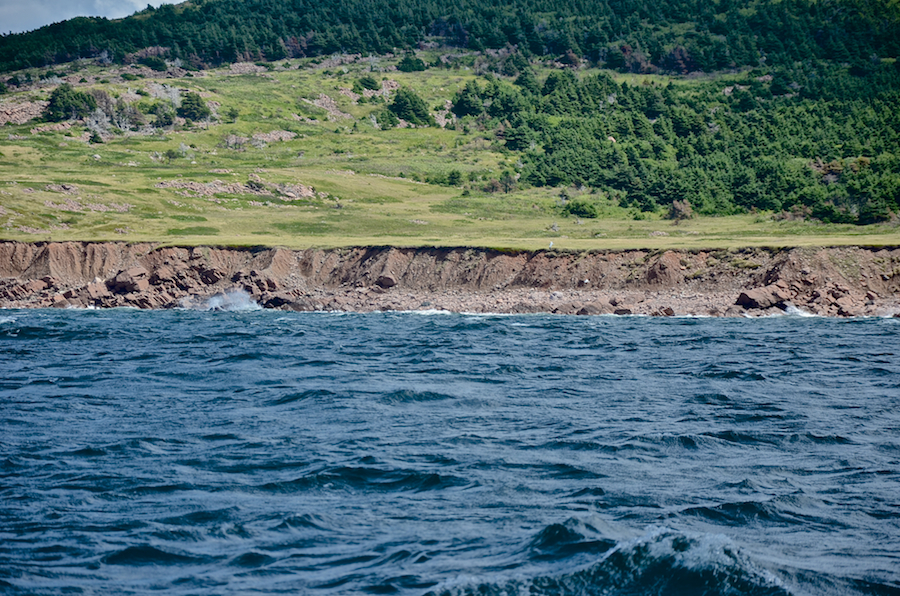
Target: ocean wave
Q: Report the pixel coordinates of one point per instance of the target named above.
(149, 555)
(366, 478)
(663, 561)
(233, 301)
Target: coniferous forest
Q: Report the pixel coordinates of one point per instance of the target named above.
(637, 35)
(811, 127)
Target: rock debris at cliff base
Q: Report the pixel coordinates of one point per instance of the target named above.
(839, 281)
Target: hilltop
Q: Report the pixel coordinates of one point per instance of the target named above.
(634, 35)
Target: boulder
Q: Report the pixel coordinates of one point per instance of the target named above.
(590, 309)
(386, 281)
(568, 308)
(211, 275)
(36, 285)
(161, 275)
(666, 270)
(765, 297)
(96, 291)
(278, 300)
(848, 306)
(133, 279)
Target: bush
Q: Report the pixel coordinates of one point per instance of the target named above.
(386, 119)
(409, 106)
(193, 107)
(581, 208)
(164, 116)
(410, 64)
(369, 82)
(66, 102)
(680, 210)
(155, 63)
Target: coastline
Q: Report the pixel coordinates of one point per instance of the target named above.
(826, 281)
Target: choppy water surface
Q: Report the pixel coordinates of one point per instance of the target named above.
(266, 453)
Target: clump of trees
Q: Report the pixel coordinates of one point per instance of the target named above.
(407, 105)
(812, 139)
(193, 107)
(67, 103)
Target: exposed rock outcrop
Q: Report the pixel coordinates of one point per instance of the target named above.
(847, 281)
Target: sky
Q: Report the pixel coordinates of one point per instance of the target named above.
(24, 15)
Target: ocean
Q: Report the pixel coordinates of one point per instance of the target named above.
(263, 452)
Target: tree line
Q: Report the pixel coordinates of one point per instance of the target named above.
(631, 35)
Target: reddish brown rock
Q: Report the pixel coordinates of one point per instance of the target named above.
(96, 291)
(386, 281)
(591, 309)
(762, 298)
(463, 279)
(161, 275)
(666, 270)
(133, 279)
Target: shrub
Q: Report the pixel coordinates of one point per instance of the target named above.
(386, 119)
(680, 210)
(193, 107)
(369, 82)
(66, 102)
(155, 63)
(409, 106)
(581, 208)
(410, 64)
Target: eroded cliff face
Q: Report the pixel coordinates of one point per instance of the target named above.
(844, 281)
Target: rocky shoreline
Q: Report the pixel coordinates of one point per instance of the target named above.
(836, 281)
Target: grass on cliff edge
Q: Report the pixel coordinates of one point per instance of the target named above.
(365, 179)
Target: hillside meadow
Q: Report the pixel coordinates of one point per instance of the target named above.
(293, 155)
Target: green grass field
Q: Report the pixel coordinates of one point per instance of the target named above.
(367, 182)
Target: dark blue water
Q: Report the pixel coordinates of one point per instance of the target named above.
(268, 453)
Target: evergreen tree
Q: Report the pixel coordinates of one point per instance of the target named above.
(68, 103)
(412, 108)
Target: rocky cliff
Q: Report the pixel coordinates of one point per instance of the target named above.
(845, 281)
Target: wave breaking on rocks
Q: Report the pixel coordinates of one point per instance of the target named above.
(834, 281)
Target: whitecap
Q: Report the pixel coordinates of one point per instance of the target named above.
(794, 311)
(232, 300)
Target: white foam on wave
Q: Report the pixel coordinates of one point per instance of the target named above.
(4, 320)
(231, 301)
(698, 551)
(793, 311)
(633, 561)
(431, 312)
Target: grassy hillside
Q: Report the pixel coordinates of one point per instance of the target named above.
(291, 156)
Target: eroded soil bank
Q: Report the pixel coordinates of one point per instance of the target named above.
(845, 281)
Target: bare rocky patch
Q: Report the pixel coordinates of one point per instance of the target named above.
(668, 283)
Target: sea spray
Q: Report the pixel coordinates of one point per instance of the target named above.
(232, 300)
